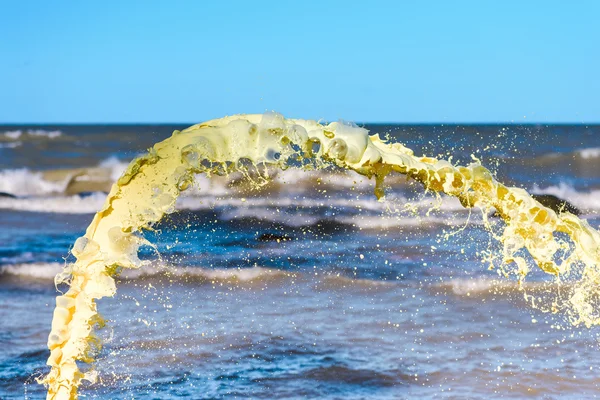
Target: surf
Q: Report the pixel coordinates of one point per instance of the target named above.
(560, 244)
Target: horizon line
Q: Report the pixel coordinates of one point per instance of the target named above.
(166, 123)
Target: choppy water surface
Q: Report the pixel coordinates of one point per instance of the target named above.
(309, 288)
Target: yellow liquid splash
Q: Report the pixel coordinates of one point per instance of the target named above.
(561, 245)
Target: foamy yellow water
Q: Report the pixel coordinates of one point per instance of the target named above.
(561, 245)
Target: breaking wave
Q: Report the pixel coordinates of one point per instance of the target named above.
(37, 271)
(584, 200)
(22, 182)
(590, 152)
(197, 275)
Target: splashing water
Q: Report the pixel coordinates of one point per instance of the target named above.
(561, 245)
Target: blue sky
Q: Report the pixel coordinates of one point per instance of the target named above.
(377, 61)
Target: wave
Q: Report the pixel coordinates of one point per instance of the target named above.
(20, 134)
(582, 156)
(367, 202)
(476, 287)
(333, 213)
(342, 281)
(379, 222)
(207, 275)
(486, 286)
(590, 152)
(322, 179)
(248, 275)
(47, 271)
(10, 145)
(24, 182)
(198, 275)
(36, 271)
(364, 213)
(157, 273)
(115, 166)
(589, 201)
(81, 191)
(76, 204)
(18, 258)
(100, 177)
(262, 208)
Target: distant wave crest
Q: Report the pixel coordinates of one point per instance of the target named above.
(26, 134)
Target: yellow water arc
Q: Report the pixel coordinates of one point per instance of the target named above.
(151, 184)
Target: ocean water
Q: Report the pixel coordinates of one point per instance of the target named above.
(306, 288)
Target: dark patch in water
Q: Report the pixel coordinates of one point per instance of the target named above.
(8, 195)
(341, 374)
(274, 237)
(556, 204)
(552, 202)
(83, 195)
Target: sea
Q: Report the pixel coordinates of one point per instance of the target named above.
(305, 288)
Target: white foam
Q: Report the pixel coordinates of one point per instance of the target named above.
(483, 285)
(344, 281)
(467, 287)
(379, 215)
(32, 270)
(242, 275)
(235, 207)
(116, 167)
(204, 186)
(248, 275)
(201, 201)
(269, 214)
(56, 204)
(14, 135)
(591, 152)
(219, 274)
(44, 133)
(398, 221)
(10, 145)
(47, 272)
(340, 179)
(23, 182)
(34, 133)
(21, 258)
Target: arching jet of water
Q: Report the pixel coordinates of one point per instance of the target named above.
(152, 183)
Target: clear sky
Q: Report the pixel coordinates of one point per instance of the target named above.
(373, 61)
